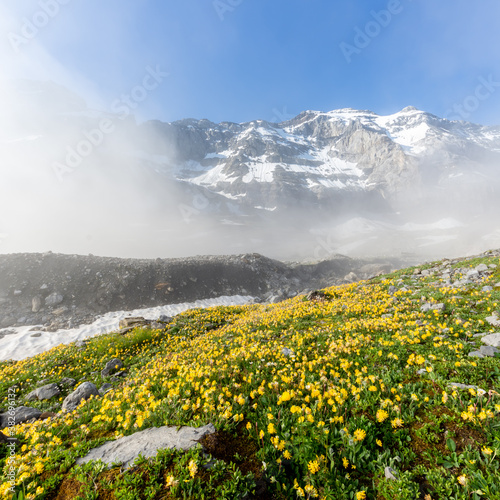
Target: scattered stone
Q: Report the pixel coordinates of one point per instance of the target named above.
(53, 299)
(111, 366)
(422, 371)
(165, 319)
(133, 321)
(155, 325)
(456, 385)
(433, 307)
(487, 288)
(21, 414)
(7, 332)
(36, 304)
(481, 268)
(123, 331)
(60, 310)
(105, 388)
(47, 414)
(492, 339)
(393, 289)
(488, 350)
(484, 351)
(390, 473)
(48, 391)
(67, 382)
(37, 334)
(476, 354)
(493, 320)
(351, 277)
(147, 442)
(82, 392)
(287, 352)
(316, 295)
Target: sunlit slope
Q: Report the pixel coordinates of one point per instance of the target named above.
(311, 397)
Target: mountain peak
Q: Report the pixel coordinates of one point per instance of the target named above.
(408, 109)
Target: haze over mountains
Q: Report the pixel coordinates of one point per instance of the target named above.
(76, 180)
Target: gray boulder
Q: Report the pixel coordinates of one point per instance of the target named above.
(18, 415)
(493, 339)
(484, 351)
(53, 299)
(134, 322)
(105, 388)
(390, 473)
(493, 320)
(67, 382)
(48, 391)
(165, 319)
(111, 366)
(82, 392)
(36, 304)
(126, 449)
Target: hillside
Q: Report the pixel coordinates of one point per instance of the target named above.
(381, 389)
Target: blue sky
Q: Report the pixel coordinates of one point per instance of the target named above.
(238, 60)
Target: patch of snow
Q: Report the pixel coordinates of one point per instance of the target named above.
(21, 345)
(260, 172)
(214, 155)
(266, 208)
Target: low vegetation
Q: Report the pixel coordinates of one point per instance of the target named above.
(311, 398)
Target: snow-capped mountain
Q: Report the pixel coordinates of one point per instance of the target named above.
(318, 183)
(321, 157)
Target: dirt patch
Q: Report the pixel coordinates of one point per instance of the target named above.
(239, 449)
(429, 435)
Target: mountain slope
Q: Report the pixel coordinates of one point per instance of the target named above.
(387, 388)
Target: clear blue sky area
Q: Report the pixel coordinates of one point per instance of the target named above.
(238, 60)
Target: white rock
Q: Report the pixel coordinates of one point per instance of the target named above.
(493, 339)
(147, 442)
